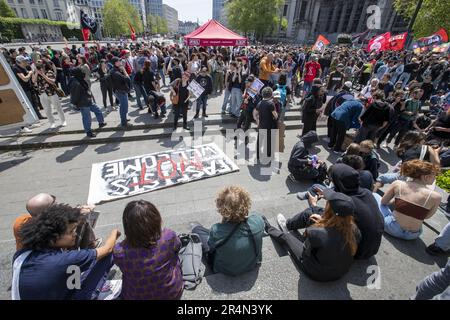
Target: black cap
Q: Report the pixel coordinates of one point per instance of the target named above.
(341, 204)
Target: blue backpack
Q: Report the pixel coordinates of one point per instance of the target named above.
(283, 92)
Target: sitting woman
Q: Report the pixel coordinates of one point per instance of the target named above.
(46, 269)
(330, 240)
(413, 202)
(411, 147)
(148, 257)
(233, 246)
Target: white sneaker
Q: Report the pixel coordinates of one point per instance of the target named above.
(282, 223)
(385, 145)
(53, 126)
(26, 130)
(64, 124)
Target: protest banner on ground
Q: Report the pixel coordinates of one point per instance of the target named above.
(196, 89)
(122, 178)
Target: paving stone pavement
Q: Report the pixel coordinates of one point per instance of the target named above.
(65, 172)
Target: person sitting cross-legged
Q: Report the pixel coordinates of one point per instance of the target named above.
(234, 245)
(330, 241)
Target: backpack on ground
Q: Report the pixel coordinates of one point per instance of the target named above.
(191, 260)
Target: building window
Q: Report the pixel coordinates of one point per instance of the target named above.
(20, 1)
(285, 10)
(56, 3)
(24, 13)
(10, 1)
(15, 11)
(59, 15)
(35, 13)
(32, 2)
(44, 14)
(303, 10)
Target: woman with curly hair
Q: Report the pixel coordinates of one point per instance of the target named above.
(47, 269)
(233, 246)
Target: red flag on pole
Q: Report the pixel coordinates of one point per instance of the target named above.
(397, 43)
(379, 43)
(133, 32)
(321, 42)
(85, 32)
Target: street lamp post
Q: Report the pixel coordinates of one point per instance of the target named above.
(411, 23)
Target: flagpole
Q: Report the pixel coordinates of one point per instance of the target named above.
(411, 23)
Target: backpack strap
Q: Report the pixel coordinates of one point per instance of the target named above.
(219, 243)
(255, 247)
(17, 266)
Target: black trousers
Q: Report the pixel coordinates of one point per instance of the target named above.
(178, 110)
(264, 141)
(329, 127)
(107, 91)
(292, 244)
(34, 103)
(309, 122)
(338, 133)
(245, 120)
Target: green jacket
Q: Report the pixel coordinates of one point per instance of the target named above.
(237, 256)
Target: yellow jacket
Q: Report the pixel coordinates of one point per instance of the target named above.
(266, 68)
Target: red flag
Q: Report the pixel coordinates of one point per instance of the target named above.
(85, 32)
(321, 42)
(133, 32)
(379, 43)
(397, 43)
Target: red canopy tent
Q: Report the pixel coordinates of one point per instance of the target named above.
(213, 34)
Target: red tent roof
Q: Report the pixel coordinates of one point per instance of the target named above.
(213, 33)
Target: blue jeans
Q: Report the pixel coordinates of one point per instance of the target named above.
(391, 226)
(140, 92)
(405, 79)
(226, 100)
(443, 240)
(202, 102)
(236, 101)
(388, 178)
(86, 116)
(123, 106)
(163, 76)
(307, 86)
(93, 279)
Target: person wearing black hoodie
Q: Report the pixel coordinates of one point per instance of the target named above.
(368, 217)
(81, 97)
(300, 164)
(375, 118)
(203, 79)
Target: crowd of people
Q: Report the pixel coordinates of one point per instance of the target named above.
(369, 99)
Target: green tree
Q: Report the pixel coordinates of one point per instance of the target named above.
(5, 10)
(152, 24)
(432, 16)
(257, 16)
(161, 25)
(116, 16)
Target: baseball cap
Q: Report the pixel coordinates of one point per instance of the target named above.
(348, 84)
(341, 204)
(20, 59)
(340, 65)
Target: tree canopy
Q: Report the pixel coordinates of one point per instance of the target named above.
(116, 16)
(157, 24)
(5, 10)
(432, 16)
(258, 16)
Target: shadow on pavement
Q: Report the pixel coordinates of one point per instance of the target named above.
(416, 250)
(228, 284)
(111, 147)
(71, 154)
(12, 163)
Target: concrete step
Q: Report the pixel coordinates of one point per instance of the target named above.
(118, 135)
